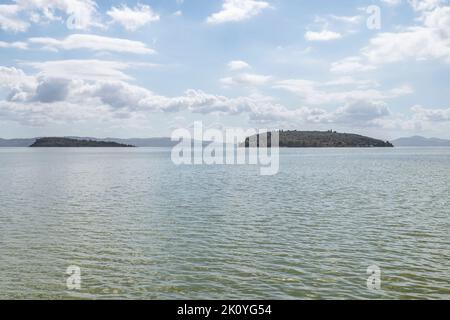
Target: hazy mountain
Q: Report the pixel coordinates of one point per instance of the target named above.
(418, 141)
(145, 142)
(16, 142)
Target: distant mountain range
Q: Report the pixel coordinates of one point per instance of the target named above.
(288, 138)
(418, 141)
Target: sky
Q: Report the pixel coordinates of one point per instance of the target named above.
(145, 68)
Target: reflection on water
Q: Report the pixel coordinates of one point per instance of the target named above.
(140, 227)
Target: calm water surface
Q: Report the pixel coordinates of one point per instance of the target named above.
(139, 227)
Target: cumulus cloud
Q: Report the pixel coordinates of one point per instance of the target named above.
(361, 111)
(237, 10)
(427, 41)
(93, 42)
(55, 97)
(19, 86)
(46, 99)
(46, 88)
(433, 115)
(51, 90)
(9, 20)
(417, 43)
(133, 18)
(421, 118)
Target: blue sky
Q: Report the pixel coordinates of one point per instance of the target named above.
(145, 68)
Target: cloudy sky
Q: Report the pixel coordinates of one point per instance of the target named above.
(144, 68)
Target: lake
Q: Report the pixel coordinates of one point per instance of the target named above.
(139, 227)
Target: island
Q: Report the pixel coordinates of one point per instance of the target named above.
(75, 143)
(322, 139)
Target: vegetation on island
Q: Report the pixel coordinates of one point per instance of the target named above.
(322, 139)
(75, 143)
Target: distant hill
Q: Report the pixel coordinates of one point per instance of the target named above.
(325, 139)
(418, 141)
(16, 142)
(75, 143)
(145, 142)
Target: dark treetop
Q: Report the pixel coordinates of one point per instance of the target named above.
(324, 139)
(71, 143)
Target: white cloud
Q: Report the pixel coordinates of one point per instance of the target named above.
(392, 3)
(80, 14)
(133, 18)
(324, 35)
(421, 119)
(9, 21)
(11, 77)
(348, 19)
(93, 42)
(237, 10)
(81, 69)
(421, 5)
(39, 114)
(361, 112)
(332, 27)
(315, 93)
(14, 45)
(246, 79)
(351, 65)
(433, 115)
(238, 65)
(54, 97)
(417, 43)
(45, 98)
(438, 19)
(350, 81)
(19, 85)
(429, 41)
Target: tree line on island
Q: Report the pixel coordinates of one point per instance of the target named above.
(322, 139)
(75, 143)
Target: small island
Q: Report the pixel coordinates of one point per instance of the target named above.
(323, 139)
(75, 143)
